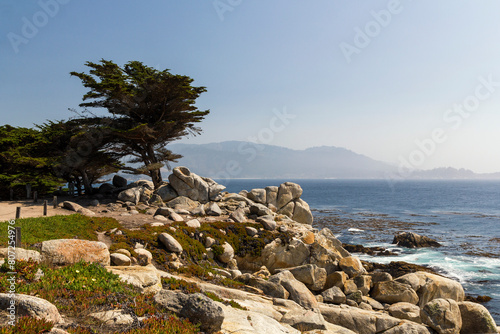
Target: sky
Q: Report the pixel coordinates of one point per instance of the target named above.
(412, 83)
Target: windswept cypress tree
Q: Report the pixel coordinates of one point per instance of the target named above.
(148, 109)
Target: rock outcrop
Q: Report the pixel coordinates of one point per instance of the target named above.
(198, 308)
(68, 251)
(193, 186)
(32, 306)
(413, 240)
(442, 315)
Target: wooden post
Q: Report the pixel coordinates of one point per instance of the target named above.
(35, 196)
(18, 237)
(18, 212)
(28, 191)
(45, 207)
(54, 202)
(11, 194)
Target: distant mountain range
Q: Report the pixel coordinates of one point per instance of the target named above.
(238, 159)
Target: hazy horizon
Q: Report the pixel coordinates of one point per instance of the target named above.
(396, 81)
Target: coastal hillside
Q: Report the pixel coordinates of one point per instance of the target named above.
(240, 159)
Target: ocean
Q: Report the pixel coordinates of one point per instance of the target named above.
(464, 216)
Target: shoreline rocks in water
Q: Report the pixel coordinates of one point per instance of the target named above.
(413, 240)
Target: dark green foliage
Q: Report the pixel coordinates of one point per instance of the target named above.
(35, 230)
(165, 324)
(51, 154)
(175, 284)
(24, 160)
(148, 109)
(231, 302)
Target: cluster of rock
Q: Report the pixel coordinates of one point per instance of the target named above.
(189, 193)
(333, 296)
(308, 283)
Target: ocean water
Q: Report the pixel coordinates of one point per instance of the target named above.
(464, 216)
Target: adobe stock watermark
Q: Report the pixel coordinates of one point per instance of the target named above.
(224, 6)
(364, 36)
(11, 265)
(249, 150)
(30, 26)
(453, 118)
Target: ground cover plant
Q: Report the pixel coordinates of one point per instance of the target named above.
(36, 230)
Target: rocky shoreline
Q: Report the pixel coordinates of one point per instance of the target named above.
(285, 275)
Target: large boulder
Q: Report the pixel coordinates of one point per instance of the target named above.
(21, 254)
(257, 195)
(311, 275)
(214, 189)
(367, 322)
(352, 266)
(238, 215)
(267, 222)
(131, 195)
(413, 240)
(213, 209)
(249, 322)
(276, 255)
(227, 253)
(113, 318)
(118, 259)
(198, 308)
(327, 239)
(476, 319)
(405, 311)
(302, 213)
(25, 305)
(72, 206)
(61, 252)
(299, 293)
(393, 292)
(442, 315)
(287, 192)
(430, 286)
(305, 320)
(334, 295)
(272, 196)
(166, 192)
(182, 203)
(268, 288)
(146, 279)
(193, 186)
(119, 181)
(170, 243)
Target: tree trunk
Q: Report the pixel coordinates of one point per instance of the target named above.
(86, 183)
(78, 186)
(155, 173)
(156, 177)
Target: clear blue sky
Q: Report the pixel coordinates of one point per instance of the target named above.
(375, 87)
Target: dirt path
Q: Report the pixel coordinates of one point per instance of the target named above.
(28, 209)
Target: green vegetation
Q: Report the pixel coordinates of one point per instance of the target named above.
(231, 302)
(28, 325)
(84, 288)
(35, 230)
(192, 241)
(182, 285)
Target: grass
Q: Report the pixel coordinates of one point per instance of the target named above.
(36, 230)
